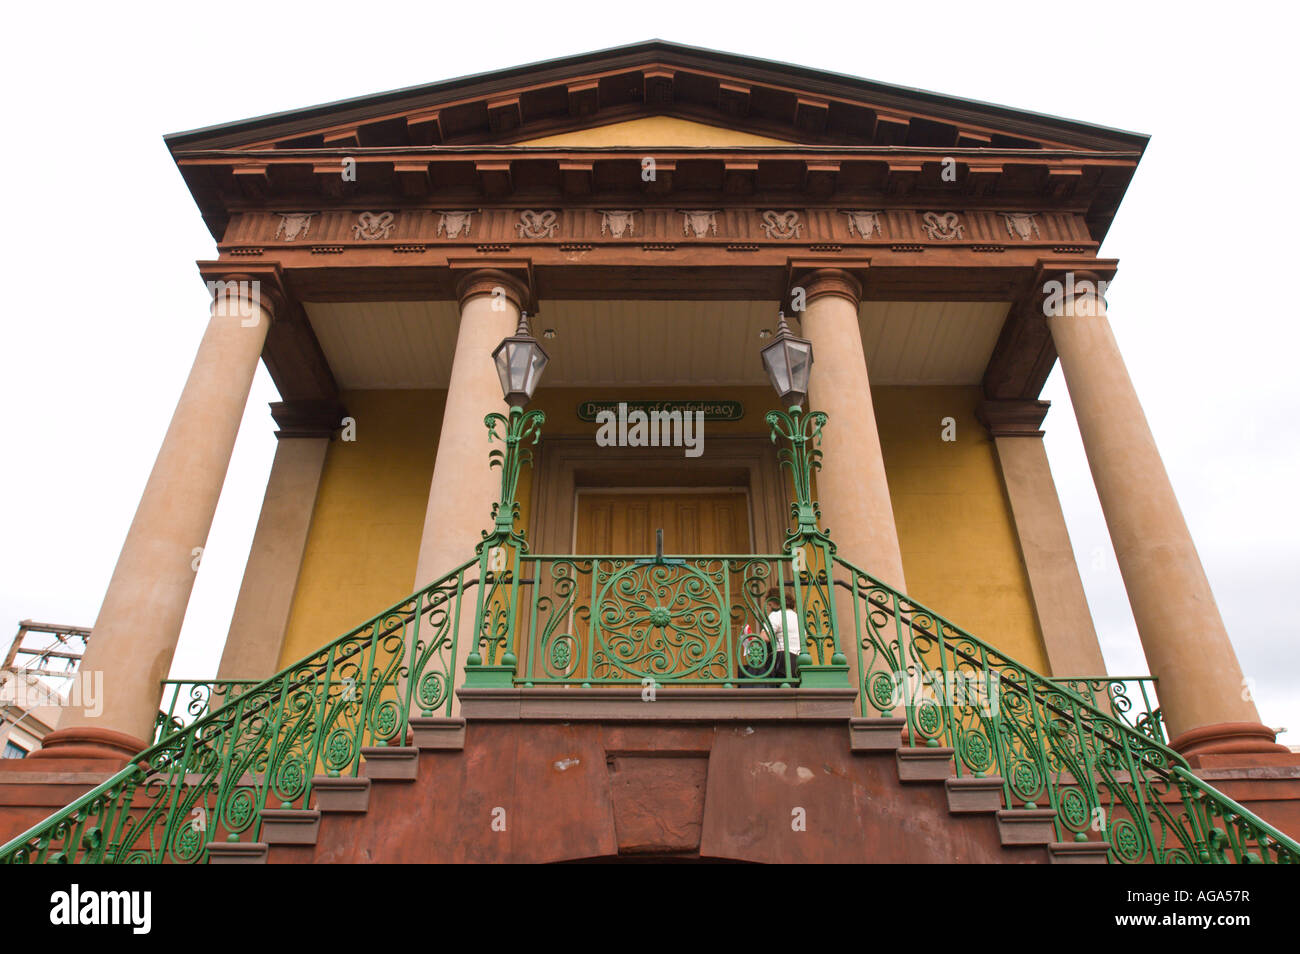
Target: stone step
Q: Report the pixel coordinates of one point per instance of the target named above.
(390, 763)
(237, 852)
(1078, 852)
(290, 826)
(438, 734)
(1027, 826)
(932, 764)
(968, 794)
(876, 735)
(335, 794)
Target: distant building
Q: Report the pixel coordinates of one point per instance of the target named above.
(39, 669)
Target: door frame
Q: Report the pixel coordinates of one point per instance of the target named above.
(566, 464)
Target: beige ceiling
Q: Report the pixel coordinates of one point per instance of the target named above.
(652, 343)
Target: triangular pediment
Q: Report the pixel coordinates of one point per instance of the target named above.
(563, 102)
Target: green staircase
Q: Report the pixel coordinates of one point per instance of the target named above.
(1044, 744)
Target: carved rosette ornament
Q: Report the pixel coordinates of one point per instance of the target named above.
(781, 225)
(293, 225)
(615, 222)
(373, 226)
(455, 223)
(1021, 225)
(863, 224)
(537, 224)
(699, 221)
(942, 226)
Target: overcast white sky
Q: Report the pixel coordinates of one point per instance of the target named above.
(106, 308)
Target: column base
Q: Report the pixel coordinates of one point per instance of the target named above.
(86, 742)
(1233, 743)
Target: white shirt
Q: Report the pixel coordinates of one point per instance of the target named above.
(782, 623)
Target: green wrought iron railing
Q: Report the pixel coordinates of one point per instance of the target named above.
(186, 700)
(1130, 699)
(210, 780)
(1051, 745)
(608, 620)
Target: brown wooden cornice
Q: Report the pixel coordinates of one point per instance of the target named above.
(1013, 418)
(307, 418)
(225, 181)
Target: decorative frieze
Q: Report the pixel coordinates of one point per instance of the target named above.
(373, 226)
(823, 229)
(294, 224)
(701, 222)
(782, 225)
(1021, 225)
(942, 226)
(537, 225)
(616, 222)
(456, 223)
(862, 224)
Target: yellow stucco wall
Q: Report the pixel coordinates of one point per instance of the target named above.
(658, 131)
(365, 530)
(960, 551)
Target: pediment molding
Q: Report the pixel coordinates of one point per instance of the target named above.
(788, 102)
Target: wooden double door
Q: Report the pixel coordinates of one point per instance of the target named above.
(702, 521)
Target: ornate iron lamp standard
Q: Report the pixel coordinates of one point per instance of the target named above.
(788, 359)
(520, 360)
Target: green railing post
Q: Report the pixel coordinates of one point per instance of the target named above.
(485, 666)
(812, 550)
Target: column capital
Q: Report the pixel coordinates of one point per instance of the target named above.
(1059, 282)
(821, 282)
(307, 418)
(513, 281)
(265, 283)
(1013, 418)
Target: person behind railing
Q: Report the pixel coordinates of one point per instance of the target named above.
(785, 633)
(780, 661)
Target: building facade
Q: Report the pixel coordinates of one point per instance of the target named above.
(594, 662)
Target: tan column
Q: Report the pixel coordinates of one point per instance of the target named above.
(1054, 583)
(261, 615)
(851, 486)
(1178, 621)
(135, 634)
(464, 487)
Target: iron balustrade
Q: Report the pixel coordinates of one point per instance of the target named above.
(210, 780)
(1130, 699)
(1048, 742)
(186, 700)
(608, 620)
(625, 619)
